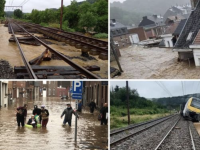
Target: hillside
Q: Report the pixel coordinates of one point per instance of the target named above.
(132, 11)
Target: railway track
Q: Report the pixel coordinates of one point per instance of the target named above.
(171, 133)
(86, 44)
(30, 71)
(119, 136)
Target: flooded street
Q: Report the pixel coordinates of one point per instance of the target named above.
(10, 52)
(154, 63)
(91, 135)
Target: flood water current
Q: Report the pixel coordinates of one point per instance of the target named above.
(91, 135)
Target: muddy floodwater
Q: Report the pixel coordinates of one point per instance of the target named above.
(10, 52)
(91, 135)
(154, 63)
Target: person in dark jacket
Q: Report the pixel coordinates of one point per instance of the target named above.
(92, 106)
(21, 115)
(104, 114)
(44, 116)
(80, 106)
(68, 115)
(37, 111)
(32, 121)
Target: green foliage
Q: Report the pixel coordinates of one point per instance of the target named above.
(118, 98)
(2, 5)
(101, 36)
(18, 13)
(90, 14)
(87, 20)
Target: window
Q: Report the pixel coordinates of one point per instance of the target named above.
(195, 103)
(53, 91)
(189, 36)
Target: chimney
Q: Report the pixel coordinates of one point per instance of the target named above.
(194, 3)
(145, 17)
(155, 16)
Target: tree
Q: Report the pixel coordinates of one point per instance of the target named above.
(87, 20)
(18, 13)
(71, 14)
(2, 5)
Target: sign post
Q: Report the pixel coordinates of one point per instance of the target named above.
(77, 88)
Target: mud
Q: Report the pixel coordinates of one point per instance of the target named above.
(154, 63)
(91, 135)
(10, 52)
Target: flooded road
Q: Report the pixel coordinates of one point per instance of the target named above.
(10, 52)
(154, 63)
(91, 135)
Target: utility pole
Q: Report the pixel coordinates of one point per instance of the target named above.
(127, 95)
(61, 14)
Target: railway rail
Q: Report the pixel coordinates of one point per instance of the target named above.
(87, 44)
(120, 136)
(30, 71)
(173, 132)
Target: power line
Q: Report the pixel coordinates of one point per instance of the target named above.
(24, 2)
(163, 88)
(166, 88)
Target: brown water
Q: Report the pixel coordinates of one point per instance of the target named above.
(91, 135)
(154, 63)
(10, 52)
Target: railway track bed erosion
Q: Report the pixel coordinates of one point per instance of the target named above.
(48, 53)
(172, 132)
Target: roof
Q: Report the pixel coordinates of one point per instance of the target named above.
(116, 25)
(190, 29)
(180, 27)
(197, 39)
(177, 10)
(151, 21)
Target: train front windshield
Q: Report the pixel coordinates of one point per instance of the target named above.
(195, 103)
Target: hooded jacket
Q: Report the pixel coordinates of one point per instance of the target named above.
(68, 113)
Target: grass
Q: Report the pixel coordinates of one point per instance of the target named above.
(101, 36)
(119, 115)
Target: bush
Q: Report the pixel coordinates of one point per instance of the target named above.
(44, 24)
(101, 36)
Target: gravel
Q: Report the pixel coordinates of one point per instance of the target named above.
(150, 138)
(6, 71)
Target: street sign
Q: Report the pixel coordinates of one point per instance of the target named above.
(77, 96)
(77, 87)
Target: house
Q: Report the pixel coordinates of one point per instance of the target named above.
(177, 10)
(172, 19)
(3, 93)
(168, 35)
(153, 25)
(188, 45)
(119, 33)
(138, 31)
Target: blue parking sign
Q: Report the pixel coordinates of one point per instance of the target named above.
(77, 87)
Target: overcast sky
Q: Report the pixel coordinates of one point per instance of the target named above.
(152, 89)
(117, 1)
(37, 4)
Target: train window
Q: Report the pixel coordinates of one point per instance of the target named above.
(195, 103)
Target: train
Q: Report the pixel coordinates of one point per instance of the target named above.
(191, 109)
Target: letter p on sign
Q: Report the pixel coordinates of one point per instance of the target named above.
(77, 87)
